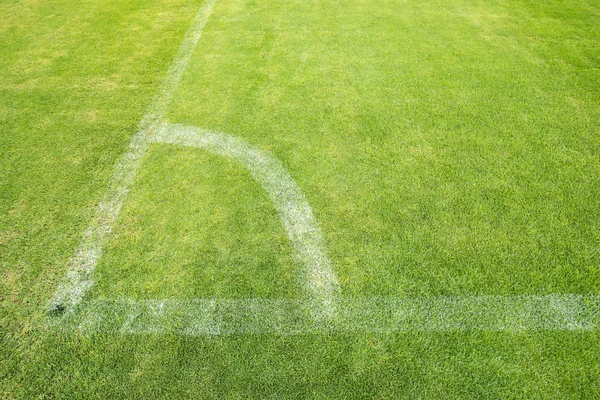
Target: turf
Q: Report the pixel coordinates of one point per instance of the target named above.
(447, 148)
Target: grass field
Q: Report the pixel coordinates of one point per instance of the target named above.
(443, 158)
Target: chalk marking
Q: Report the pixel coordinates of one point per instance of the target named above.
(296, 215)
(321, 283)
(81, 266)
(324, 310)
(157, 109)
(208, 317)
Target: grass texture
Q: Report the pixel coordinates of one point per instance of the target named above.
(446, 148)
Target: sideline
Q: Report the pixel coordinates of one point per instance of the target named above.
(81, 266)
(208, 317)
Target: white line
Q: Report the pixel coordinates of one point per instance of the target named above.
(321, 284)
(81, 266)
(323, 310)
(295, 213)
(368, 314)
(161, 101)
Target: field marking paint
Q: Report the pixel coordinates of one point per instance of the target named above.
(157, 109)
(324, 310)
(81, 266)
(320, 282)
(208, 317)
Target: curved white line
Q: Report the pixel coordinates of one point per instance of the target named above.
(296, 215)
(321, 283)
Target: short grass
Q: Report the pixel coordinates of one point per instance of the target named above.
(446, 148)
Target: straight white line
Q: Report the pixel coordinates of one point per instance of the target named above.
(81, 266)
(162, 99)
(365, 314)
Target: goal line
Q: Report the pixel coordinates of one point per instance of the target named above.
(207, 317)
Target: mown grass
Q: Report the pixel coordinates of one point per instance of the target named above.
(197, 225)
(445, 147)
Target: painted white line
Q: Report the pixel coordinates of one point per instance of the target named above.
(81, 266)
(323, 310)
(161, 101)
(296, 215)
(368, 314)
(321, 284)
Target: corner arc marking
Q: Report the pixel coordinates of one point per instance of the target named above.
(321, 284)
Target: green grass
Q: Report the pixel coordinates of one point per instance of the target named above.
(447, 148)
(217, 237)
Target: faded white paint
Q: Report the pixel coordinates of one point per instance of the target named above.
(323, 310)
(83, 263)
(320, 281)
(207, 317)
